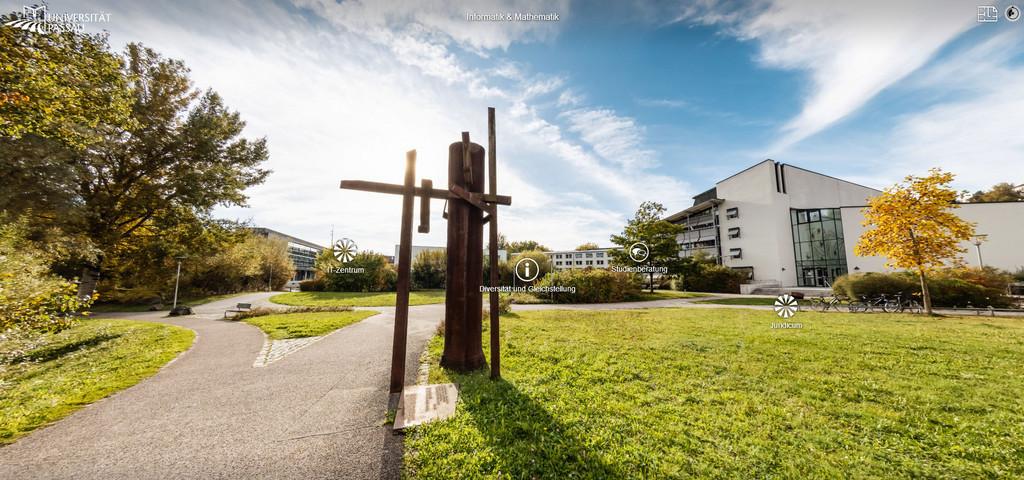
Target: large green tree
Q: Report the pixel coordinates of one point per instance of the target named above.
(64, 86)
(517, 246)
(180, 154)
(658, 235)
(1000, 192)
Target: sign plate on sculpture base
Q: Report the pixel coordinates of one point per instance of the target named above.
(424, 403)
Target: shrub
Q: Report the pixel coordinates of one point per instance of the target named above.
(504, 272)
(314, 285)
(986, 277)
(377, 276)
(243, 266)
(264, 311)
(504, 305)
(543, 261)
(525, 298)
(131, 296)
(979, 287)
(592, 286)
(710, 277)
(874, 284)
(428, 270)
(955, 287)
(31, 298)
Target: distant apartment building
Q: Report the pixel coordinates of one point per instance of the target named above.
(568, 259)
(788, 226)
(302, 253)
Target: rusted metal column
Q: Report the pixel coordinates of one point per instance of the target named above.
(492, 188)
(402, 284)
(463, 349)
(475, 266)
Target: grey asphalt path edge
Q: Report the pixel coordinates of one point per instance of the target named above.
(317, 413)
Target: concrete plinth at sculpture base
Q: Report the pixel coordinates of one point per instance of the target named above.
(420, 404)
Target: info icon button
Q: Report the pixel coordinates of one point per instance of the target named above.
(527, 270)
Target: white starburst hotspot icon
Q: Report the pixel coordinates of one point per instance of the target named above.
(345, 250)
(786, 306)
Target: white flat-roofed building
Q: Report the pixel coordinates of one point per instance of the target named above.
(568, 259)
(789, 226)
(301, 252)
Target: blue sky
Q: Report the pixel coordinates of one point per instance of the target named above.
(614, 104)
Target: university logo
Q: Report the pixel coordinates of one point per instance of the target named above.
(36, 18)
(33, 19)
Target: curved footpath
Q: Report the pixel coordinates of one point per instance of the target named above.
(318, 413)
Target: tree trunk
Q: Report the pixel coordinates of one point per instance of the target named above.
(652, 281)
(87, 284)
(926, 296)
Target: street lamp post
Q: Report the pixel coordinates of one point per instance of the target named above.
(177, 279)
(978, 239)
(270, 278)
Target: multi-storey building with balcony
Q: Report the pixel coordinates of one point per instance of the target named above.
(788, 226)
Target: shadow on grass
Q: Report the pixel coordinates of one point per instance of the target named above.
(524, 438)
(53, 352)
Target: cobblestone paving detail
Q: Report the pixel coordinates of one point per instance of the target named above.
(274, 350)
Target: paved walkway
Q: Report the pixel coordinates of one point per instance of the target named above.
(317, 413)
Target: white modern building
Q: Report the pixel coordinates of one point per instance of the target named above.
(301, 252)
(787, 226)
(568, 259)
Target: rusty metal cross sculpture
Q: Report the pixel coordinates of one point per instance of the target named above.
(467, 202)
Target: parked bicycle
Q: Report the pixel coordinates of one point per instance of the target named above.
(824, 304)
(885, 303)
(898, 305)
(868, 304)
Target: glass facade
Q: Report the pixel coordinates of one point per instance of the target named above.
(304, 259)
(818, 246)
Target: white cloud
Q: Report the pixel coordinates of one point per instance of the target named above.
(851, 50)
(662, 102)
(569, 98)
(435, 18)
(978, 134)
(346, 99)
(615, 138)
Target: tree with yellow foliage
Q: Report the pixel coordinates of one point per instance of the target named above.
(913, 226)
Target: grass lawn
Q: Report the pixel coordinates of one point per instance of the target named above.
(646, 295)
(742, 301)
(192, 302)
(672, 393)
(355, 299)
(79, 366)
(296, 325)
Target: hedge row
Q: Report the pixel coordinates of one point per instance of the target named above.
(591, 285)
(955, 287)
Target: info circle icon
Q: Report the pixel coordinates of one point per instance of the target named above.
(527, 270)
(639, 252)
(1012, 13)
(345, 250)
(786, 306)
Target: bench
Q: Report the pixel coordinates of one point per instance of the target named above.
(239, 308)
